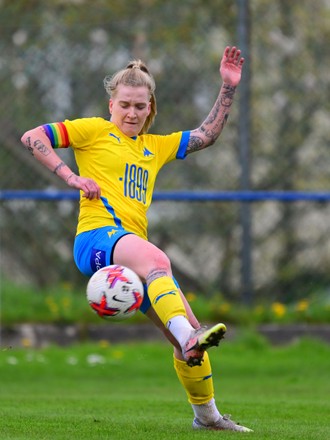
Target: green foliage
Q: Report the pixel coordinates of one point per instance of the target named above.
(315, 309)
(63, 304)
(58, 304)
(131, 391)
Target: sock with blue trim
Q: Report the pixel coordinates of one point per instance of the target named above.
(166, 300)
(197, 381)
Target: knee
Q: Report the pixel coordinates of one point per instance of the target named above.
(157, 265)
(161, 261)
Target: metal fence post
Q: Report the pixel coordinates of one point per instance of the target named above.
(243, 28)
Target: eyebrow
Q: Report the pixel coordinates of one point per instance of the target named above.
(122, 101)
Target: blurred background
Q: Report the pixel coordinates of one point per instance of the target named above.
(53, 58)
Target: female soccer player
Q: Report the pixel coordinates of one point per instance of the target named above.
(118, 164)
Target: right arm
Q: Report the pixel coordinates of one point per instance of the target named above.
(38, 144)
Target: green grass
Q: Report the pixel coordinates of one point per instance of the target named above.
(131, 392)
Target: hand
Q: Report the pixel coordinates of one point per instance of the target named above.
(231, 66)
(90, 188)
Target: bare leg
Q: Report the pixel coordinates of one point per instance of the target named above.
(141, 256)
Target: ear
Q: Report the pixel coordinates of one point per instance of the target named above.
(110, 106)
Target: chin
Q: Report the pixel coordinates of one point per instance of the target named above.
(131, 132)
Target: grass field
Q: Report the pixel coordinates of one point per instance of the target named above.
(131, 392)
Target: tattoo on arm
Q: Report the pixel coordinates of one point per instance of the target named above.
(58, 167)
(213, 125)
(28, 146)
(154, 274)
(228, 96)
(41, 147)
(195, 144)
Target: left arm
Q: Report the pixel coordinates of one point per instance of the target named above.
(211, 128)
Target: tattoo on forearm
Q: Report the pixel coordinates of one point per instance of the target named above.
(28, 145)
(154, 274)
(228, 96)
(215, 121)
(58, 167)
(41, 147)
(214, 113)
(209, 133)
(225, 118)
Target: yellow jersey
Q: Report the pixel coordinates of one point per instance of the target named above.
(125, 169)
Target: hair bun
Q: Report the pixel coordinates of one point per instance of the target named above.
(138, 64)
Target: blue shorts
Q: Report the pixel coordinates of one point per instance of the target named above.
(94, 249)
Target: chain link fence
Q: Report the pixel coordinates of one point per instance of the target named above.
(53, 59)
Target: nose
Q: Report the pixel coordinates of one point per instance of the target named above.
(131, 112)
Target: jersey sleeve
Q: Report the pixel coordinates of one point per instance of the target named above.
(182, 151)
(77, 133)
(171, 147)
(57, 134)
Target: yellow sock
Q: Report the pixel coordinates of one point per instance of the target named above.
(197, 381)
(166, 299)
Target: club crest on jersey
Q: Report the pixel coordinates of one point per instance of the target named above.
(147, 153)
(116, 137)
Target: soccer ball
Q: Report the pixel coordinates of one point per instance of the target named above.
(115, 292)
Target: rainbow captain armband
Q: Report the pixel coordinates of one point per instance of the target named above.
(57, 134)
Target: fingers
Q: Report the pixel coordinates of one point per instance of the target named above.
(233, 55)
(231, 65)
(90, 189)
(90, 195)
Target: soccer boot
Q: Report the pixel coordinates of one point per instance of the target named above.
(224, 423)
(199, 341)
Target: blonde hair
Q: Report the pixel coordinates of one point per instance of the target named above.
(135, 74)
